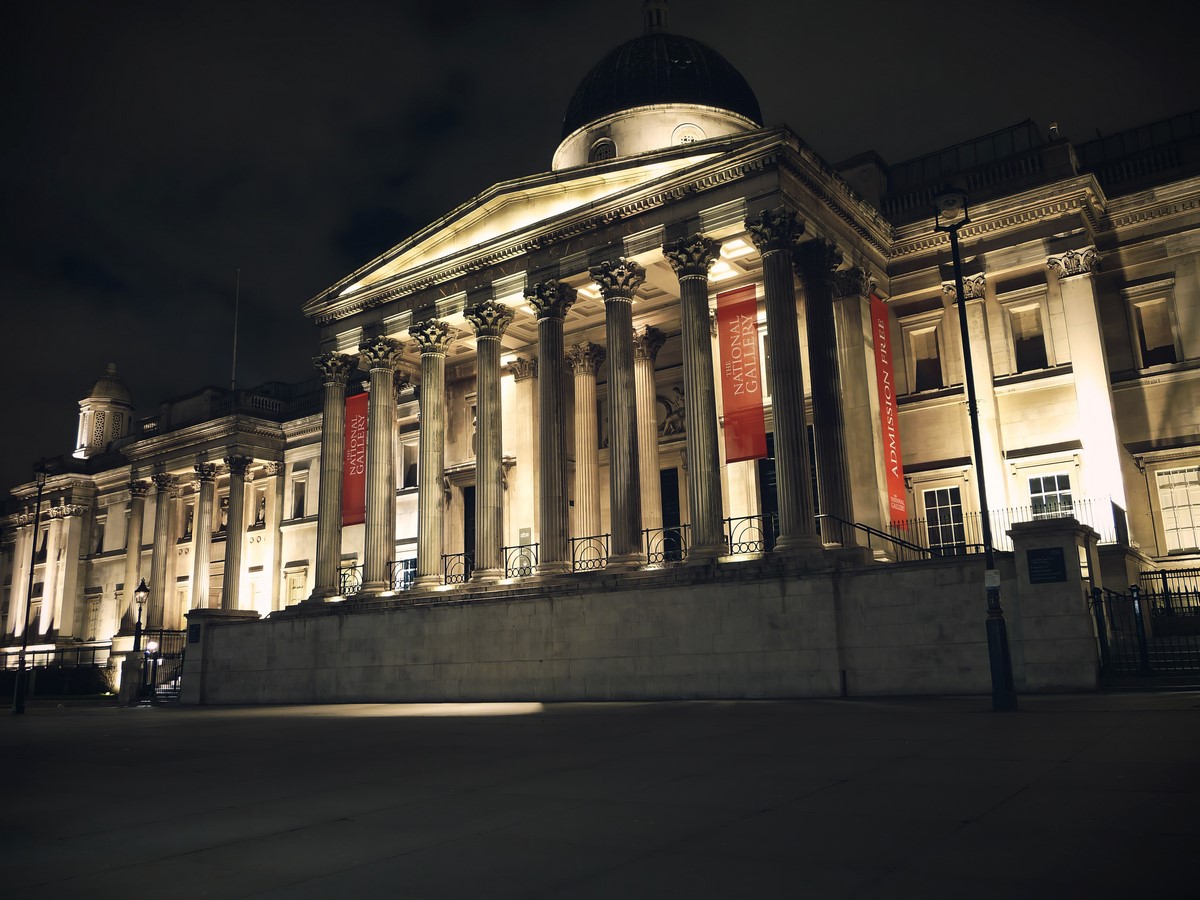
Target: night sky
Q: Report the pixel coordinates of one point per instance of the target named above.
(152, 149)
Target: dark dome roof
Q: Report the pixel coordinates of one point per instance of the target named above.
(660, 68)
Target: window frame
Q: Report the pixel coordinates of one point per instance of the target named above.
(1148, 294)
(1167, 468)
(919, 324)
(1036, 297)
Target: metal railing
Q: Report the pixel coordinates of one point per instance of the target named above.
(665, 545)
(350, 579)
(402, 573)
(751, 534)
(1172, 592)
(520, 560)
(590, 553)
(834, 530)
(457, 567)
(1128, 647)
(64, 657)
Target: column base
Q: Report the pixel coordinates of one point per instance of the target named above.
(626, 562)
(427, 582)
(319, 596)
(706, 553)
(851, 556)
(486, 576)
(558, 567)
(374, 587)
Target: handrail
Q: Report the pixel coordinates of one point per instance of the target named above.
(899, 543)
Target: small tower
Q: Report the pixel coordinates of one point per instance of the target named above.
(654, 13)
(104, 415)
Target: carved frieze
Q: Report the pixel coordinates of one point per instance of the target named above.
(973, 287)
(1075, 262)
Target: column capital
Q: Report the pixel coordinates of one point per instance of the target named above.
(24, 519)
(164, 483)
(433, 336)
(618, 279)
(1083, 261)
(206, 473)
(852, 282)
(238, 465)
(692, 256)
(522, 368)
(775, 229)
(66, 511)
(489, 318)
(551, 299)
(139, 489)
(973, 287)
(381, 353)
(334, 367)
(585, 359)
(647, 341)
(272, 469)
(817, 258)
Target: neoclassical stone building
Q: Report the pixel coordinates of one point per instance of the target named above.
(548, 389)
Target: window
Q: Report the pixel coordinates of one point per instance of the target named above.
(408, 464)
(189, 517)
(93, 619)
(944, 520)
(99, 534)
(1156, 338)
(297, 586)
(43, 539)
(926, 359)
(1029, 338)
(1179, 497)
(1050, 496)
(405, 574)
(298, 491)
(601, 150)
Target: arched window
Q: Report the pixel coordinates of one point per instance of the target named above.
(601, 150)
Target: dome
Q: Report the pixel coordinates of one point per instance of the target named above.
(110, 387)
(660, 68)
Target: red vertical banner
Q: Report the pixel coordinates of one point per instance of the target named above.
(741, 374)
(354, 463)
(889, 416)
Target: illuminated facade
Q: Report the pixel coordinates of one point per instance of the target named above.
(544, 373)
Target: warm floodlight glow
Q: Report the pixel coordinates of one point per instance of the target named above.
(151, 646)
(591, 291)
(721, 271)
(736, 249)
(442, 710)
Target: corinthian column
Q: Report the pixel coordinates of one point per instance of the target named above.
(774, 233)
(816, 262)
(26, 534)
(54, 542)
(434, 338)
(646, 344)
(160, 561)
(380, 358)
(335, 368)
(206, 474)
(235, 532)
(691, 258)
(489, 319)
(133, 552)
(551, 301)
(619, 281)
(585, 360)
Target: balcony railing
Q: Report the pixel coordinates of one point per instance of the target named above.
(457, 567)
(589, 554)
(401, 573)
(665, 545)
(751, 534)
(520, 560)
(350, 580)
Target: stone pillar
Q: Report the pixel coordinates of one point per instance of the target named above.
(1101, 474)
(522, 508)
(274, 471)
(647, 342)
(50, 571)
(22, 548)
(380, 358)
(160, 561)
(551, 301)
(434, 338)
(619, 280)
(133, 552)
(67, 590)
(816, 262)
(774, 233)
(691, 258)
(585, 360)
(489, 320)
(335, 368)
(206, 474)
(235, 532)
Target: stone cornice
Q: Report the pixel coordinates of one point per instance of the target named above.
(1167, 201)
(186, 441)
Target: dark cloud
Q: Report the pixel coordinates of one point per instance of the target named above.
(151, 150)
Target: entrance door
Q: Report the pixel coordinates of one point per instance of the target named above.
(672, 544)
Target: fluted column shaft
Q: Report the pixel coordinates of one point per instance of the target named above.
(551, 301)
(489, 320)
(51, 570)
(434, 338)
(206, 473)
(585, 360)
(380, 358)
(133, 552)
(815, 263)
(691, 258)
(646, 344)
(774, 234)
(235, 532)
(164, 487)
(26, 532)
(335, 367)
(619, 281)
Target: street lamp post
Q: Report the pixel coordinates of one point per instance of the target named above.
(18, 707)
(140, 595)
(950, 214)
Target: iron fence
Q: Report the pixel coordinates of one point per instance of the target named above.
(350, 580)
(665, 545)
(1128, 645)
(457, 567)
(520, 560)
(1175, 592)
(589, 554)
(402, 573)
(63, 657)
(751, 534)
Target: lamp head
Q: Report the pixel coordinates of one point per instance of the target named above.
(141, 592)
(950, 209)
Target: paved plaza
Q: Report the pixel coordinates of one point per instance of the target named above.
(1082, 796)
